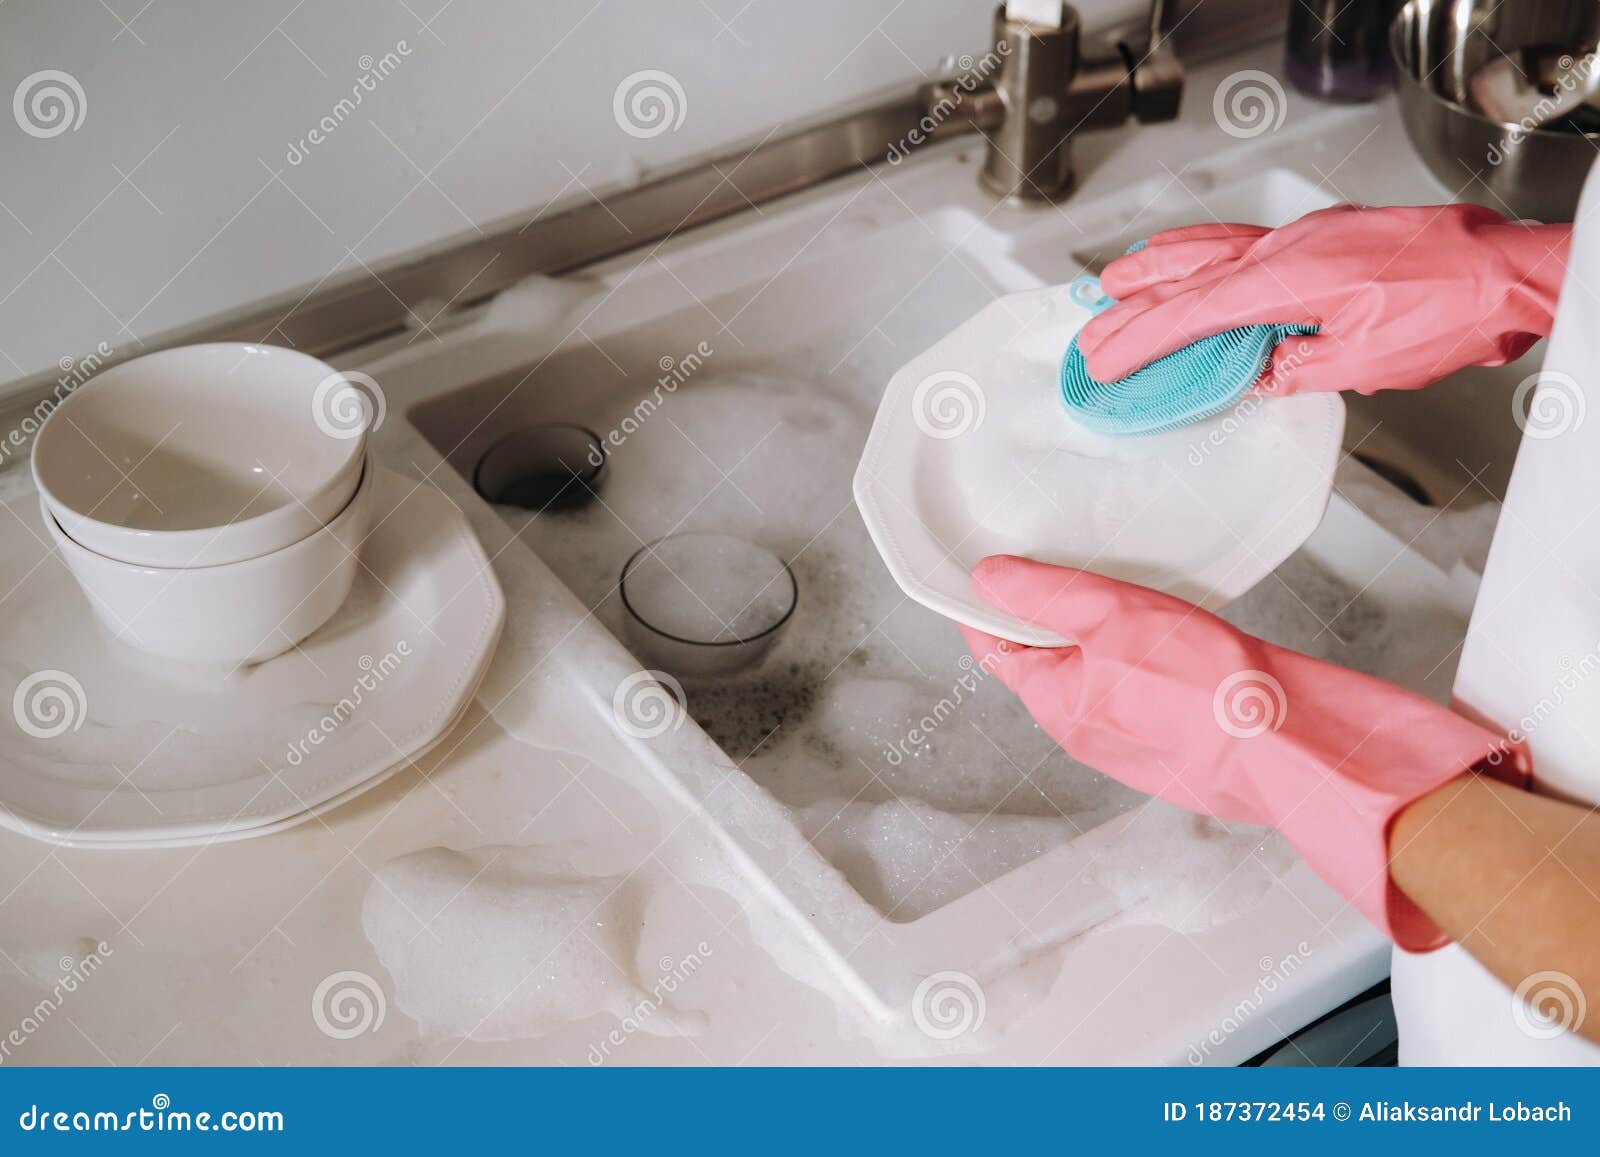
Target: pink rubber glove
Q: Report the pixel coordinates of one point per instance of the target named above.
(1174, 702)
(1404, 296)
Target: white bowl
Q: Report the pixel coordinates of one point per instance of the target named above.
(202, 455)
(242, 612)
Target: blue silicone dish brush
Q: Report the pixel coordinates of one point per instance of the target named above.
(1188, 385)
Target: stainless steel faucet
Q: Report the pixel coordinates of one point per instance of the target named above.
(1048, 89)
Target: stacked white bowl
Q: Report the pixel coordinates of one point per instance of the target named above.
(210, 500)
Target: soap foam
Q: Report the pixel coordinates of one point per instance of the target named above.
(910, 858)
(867, 697)
(709, 588)
(1188, 872)
(503, 943)
(869, 706)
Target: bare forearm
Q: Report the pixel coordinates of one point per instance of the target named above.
(1513, 877)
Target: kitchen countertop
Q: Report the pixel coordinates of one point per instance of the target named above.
(215, 954)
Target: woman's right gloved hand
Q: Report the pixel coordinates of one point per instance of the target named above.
(1173, 701)
(1404, 296)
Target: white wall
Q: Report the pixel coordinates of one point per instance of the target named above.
(176, 197)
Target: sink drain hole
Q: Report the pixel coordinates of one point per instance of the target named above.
(550, 466)
(1397, 477)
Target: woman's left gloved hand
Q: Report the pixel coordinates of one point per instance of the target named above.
(1177, 703)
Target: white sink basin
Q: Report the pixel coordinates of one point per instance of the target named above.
(895, 805)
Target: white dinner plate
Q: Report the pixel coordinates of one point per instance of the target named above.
(107, 747)
(139, 843)
(972, 453)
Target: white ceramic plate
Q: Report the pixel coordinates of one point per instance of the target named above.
(138, 843)
(106, 747)
(973, 454)
(232, 835)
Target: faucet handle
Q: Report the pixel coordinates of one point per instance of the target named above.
(1050, 87)
(1157, 82)
(1044, 13)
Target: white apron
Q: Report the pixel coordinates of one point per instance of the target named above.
(1531, 664)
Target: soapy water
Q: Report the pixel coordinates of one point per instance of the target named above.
(867, 697)
(915, 773)
(908, 858)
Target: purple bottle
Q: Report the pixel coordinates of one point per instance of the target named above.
(1339, 49)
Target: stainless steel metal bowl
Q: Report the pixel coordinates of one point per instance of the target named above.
(1437, 46)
